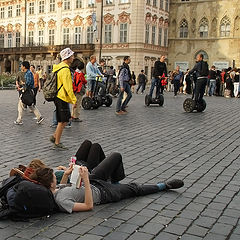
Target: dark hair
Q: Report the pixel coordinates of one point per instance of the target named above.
(201, 55)
(77, 63)
(126, 58)
(43, 176)
(102, 60)
(33, 66)
(111, 67)
(142, 70)
(26, 64)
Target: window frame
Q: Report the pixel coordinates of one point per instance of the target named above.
(123, 33)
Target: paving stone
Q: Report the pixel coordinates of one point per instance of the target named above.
(80, 229)
(127, 228)
(190, 237)
(152, 228)
(68, 236)
(90, 237)
(175, 229)
(221, 229)
(166, 236)
(197, 231)
(117, 236)
(140, 236)
(100, 230)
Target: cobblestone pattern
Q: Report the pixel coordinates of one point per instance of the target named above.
(156, 144)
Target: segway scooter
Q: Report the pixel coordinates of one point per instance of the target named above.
(95, 102)
(159, 99)
(189, 105)
(106, 99)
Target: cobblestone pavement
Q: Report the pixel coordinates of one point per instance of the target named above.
(156, 144)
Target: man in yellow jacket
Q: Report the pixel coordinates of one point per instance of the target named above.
(65, 96)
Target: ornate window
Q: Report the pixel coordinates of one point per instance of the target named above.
(51, 36)
(109, 2)
(2, 10)
(1, 40)
(66, 5)
(147, 33)
(40, 37)
(148, 2)
(91, 3)
(78, 31)
(41, 6)
(31, 8)
(165, 43)
(78, 3)
(108, 33)
(167, 5)
(90, 33)
(154, 3)
(160, 30)
(18, 39)
(18, 10)
(203, 28)
(183, 29)
(30, 38)
(52, 6)
(161, 4)
(123, 32)
(10, 11)
(9, 40)
(66, 36)
(153, 35)
(225, 27)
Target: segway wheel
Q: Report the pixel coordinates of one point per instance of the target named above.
(201, 106)
(87, 103)
(161, 100)
(97, 102)
(188, 105)
(148, 100)
(108, 101)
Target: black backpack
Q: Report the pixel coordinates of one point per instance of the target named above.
(31, 200)
(204, 69)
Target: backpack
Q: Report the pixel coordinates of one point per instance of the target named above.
(31, 200)
(204, 69)
(27, 96)
(50, 90)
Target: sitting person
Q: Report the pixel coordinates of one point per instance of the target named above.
(96, 189)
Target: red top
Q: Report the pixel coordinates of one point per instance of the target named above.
(78, 81)
(222, 77)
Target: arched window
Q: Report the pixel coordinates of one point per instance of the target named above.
(203, 28)
(183, 29)
(225, 26)
(205, 55)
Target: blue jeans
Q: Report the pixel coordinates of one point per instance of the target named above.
(121, 106)
(212, 87)
(155, 82)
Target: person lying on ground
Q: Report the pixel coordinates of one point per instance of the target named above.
(96, 188)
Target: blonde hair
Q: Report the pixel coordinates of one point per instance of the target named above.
(92, 57)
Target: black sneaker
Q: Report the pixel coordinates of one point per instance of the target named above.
(174, 184)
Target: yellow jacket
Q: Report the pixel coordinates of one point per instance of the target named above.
(64, 77)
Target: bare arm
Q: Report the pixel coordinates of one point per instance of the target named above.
(88, 202)
(66, 174)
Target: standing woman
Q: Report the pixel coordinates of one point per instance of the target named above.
(236, 84)
(79, 82)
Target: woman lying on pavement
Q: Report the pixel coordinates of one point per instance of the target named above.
(96, 188)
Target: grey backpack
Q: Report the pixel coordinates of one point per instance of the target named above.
(50, 89)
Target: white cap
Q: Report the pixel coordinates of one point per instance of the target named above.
(66, 53)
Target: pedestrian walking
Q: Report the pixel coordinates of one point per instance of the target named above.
(142, 80)
(124, 78)
(37, 83)
(25, 83)
(133, 82)
(236, 83)
(65, 95)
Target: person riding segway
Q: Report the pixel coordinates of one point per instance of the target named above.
(197, 102)
(159, 72)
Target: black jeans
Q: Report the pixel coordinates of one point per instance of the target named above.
(141, 85)
(176, 87)
(112, 167)
(90, 154)
(199, 90)
(35, 90)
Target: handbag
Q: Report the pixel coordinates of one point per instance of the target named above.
(27, 96)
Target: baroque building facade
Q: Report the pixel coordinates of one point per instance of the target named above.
(211, 27)
(51, 25)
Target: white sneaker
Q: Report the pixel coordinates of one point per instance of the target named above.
(35, 118)
(40, 120)
(18, 123)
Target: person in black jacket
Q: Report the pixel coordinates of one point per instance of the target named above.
(212, 83)
(201, 70)
(142, 79)
(160, 68)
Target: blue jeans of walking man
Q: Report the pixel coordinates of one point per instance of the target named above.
(121, 106)
(212, 87)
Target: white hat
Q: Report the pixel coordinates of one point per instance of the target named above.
(66, 53)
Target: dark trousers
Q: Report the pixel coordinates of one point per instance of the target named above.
(141, 85)
(112, 168)
(176, 87)
(200, 86)
(35, 91)
(90, 154)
